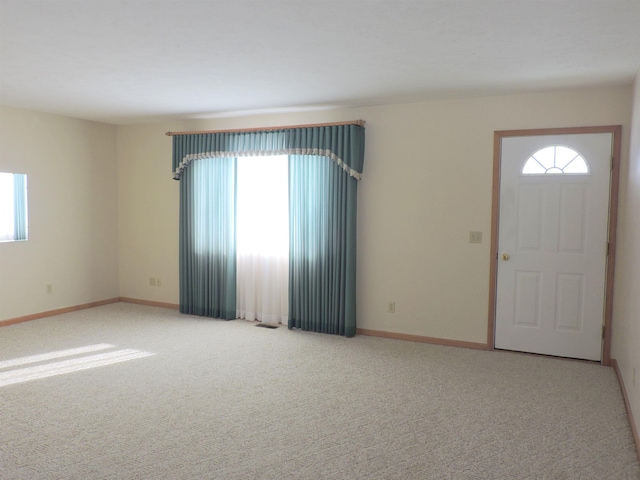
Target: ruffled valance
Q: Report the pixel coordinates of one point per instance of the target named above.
(344, 144)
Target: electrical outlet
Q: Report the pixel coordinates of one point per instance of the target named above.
(49, 289)
(475, 237)
(391, 307)
(152, 281)
(158, 282)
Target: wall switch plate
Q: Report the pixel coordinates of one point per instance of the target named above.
(475, 237)
(391, 307)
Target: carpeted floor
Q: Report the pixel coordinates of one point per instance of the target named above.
(193, 398)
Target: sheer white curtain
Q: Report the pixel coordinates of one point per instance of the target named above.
(7, 220)
(262, 226)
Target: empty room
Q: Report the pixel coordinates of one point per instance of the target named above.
(318, 239)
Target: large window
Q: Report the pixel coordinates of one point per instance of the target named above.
(263, 206)
(324, 166)
(13, 207)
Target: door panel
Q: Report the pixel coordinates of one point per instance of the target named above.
(527, 301)
(530, 218)
(569, 302)
(572, 221)
(553, 230)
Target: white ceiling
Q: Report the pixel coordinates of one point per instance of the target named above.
(139, 60)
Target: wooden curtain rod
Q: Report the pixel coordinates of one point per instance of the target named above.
(360, 123)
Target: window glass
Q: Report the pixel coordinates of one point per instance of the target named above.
(555, 160)
(13, 207)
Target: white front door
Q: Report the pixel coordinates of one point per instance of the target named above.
(552, 244)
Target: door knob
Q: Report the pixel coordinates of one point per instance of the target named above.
(505, 256)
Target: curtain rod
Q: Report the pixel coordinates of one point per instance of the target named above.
(360, 123)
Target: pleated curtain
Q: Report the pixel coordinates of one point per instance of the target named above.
(322, 256)
(325, 164)
(20, 206)
(208, 239)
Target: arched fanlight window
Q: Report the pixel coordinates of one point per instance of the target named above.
(555, 160)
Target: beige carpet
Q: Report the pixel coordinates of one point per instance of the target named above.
(227, 400)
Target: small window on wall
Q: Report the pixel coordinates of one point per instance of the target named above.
(13, 207)
(556, 160)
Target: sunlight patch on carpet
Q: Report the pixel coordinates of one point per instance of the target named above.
(42, 357)
(62, 367)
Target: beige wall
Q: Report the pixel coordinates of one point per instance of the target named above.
(427, 183)
(72, 202)
(147, 214)
(626, 313)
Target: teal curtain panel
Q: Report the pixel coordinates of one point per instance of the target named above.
(20, 206)
(207, 239)
(322, 239)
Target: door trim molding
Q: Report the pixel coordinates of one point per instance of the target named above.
(616, 146)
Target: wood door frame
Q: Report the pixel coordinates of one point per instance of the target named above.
(616, 147)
